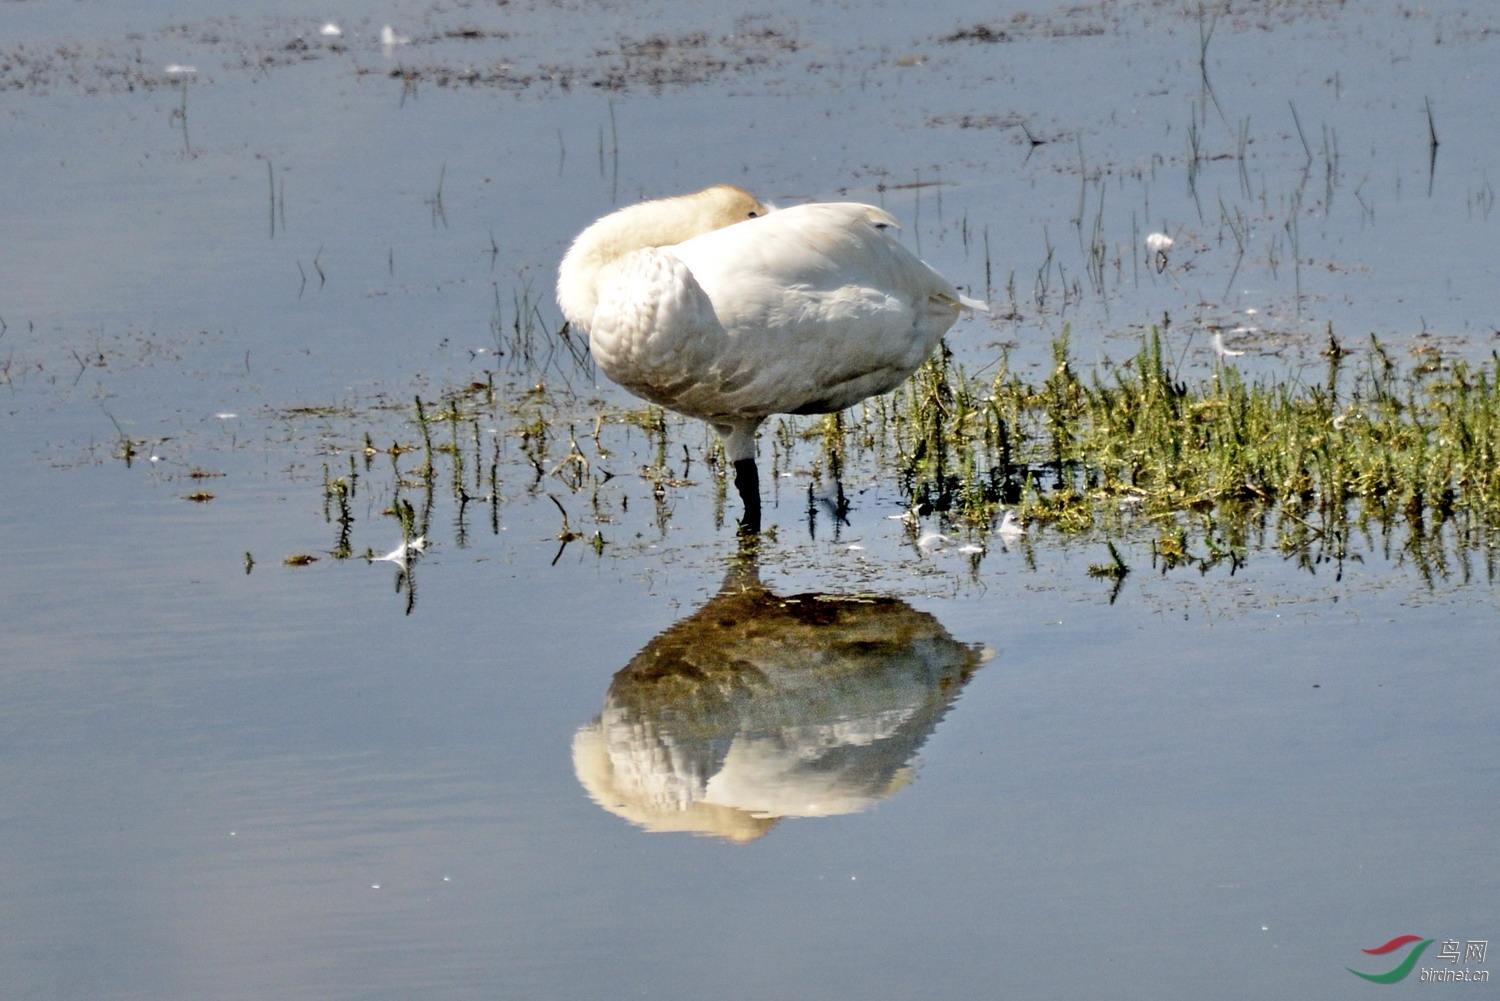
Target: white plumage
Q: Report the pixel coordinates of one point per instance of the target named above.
(712, 305)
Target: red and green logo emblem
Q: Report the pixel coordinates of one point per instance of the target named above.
(1404, 967)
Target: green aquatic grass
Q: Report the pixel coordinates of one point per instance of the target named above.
(1368, 455)
(1370, 448)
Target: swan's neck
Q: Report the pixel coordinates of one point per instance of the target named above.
(649, 224)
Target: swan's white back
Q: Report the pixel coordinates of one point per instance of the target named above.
(808, 309)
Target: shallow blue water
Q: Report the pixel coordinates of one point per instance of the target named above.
(221, 783)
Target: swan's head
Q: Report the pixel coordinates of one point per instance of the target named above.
(659, 223)
(722, 205)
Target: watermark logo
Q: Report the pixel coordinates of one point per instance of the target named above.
(1473, 951)
(1405, 967)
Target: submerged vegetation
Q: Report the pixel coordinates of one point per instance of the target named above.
(1370, 446)
(1368, 450)
(1373, 456)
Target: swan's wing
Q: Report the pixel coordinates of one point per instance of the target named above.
(823, 246)
(806, 310)
(654, 329)
(820, 306)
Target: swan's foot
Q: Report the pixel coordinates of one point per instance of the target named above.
(747, 482)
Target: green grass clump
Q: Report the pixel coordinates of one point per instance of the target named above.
(1368, 448)
(1203, 470)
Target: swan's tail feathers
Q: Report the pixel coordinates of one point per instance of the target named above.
(959, 302)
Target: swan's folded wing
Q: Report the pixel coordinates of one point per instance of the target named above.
(820, 305)
(806, 310)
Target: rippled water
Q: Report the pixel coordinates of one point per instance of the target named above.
(917, 772)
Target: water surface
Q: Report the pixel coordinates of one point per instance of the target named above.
(230, 777)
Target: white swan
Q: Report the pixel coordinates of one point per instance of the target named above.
(716, 307)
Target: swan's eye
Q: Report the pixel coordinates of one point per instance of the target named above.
(882, 225)
(754, 214)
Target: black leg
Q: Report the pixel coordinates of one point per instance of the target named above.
(747, 482)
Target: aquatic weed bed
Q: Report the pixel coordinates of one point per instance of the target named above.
(1213, 463)
(1376, 456)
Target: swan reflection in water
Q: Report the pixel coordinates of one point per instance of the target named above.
(759, 707)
